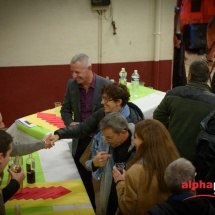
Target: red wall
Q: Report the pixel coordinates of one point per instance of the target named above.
(146, 69)
(29, 89)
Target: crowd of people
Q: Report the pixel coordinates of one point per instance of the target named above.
(159, 154)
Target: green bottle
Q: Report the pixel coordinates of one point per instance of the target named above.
(30, 168)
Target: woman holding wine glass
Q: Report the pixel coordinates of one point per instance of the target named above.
(143, 184)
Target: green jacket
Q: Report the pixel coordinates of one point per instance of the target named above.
(181, 111)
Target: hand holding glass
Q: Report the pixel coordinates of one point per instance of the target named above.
(57, 104)
(120, 167)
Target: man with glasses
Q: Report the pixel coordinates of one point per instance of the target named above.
(112, 145)
(82, 98)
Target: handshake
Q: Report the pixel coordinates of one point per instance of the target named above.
(50, 140)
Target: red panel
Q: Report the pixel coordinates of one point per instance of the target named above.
(165, 75)
(147, 70)
(31, 89)
(144, 69)
(26, 90)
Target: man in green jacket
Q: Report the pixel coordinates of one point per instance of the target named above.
(184, 107)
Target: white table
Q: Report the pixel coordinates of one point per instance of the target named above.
(47, 157)
(57, 164)
(54, 170)
(149, 103)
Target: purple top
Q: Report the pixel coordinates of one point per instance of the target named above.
(86, 99)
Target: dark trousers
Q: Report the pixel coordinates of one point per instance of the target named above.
(86, 176)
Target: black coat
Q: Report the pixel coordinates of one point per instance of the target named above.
(91, 125)
(205, 148)
(192, 206)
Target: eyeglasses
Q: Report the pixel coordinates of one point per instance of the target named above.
(106, 100)
(107, 139)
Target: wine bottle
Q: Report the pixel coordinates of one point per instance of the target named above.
(30, 168)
